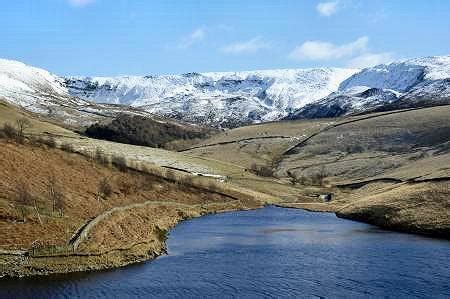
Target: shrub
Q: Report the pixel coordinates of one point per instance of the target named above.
(56, 195)
(105, 189)
(161, 233)
(10, 131)
(261, 170)
(67, 147)
(50, 142)
(100, 157)
(120, 162)
(170, 176)
(187, 181)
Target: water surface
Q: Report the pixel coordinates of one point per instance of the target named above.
(271, 252)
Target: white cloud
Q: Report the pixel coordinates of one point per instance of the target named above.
(370, 59)
(355, 54)
(80, 3)
(250, 46)
(195, 36)
(327, 9)
(319, 50)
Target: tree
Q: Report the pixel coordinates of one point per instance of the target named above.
(23, 197)
(319, 177)
(56, 195)
(22, 125)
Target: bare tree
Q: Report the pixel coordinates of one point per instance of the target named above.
(56, 195)
(23, 197)
(23, 124)
(319, 177)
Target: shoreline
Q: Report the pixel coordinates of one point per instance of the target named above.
(13, 266)
(383, 223)
(25, 266)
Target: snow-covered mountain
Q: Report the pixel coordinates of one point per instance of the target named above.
(229, 99)
(409, 83)
(225, 99)
(27, 86)
(38, 91)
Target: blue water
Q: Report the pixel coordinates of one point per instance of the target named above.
(271, 252)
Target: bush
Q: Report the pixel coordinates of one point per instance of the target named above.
(50, 142)
(105, 189)
(187, 181)
(67, 147)
(161, 233)
(100, 157)
(10, 131)
(120, 162)
(261, 170)
(171, 176)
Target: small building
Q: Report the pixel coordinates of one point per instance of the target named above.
(326, 197)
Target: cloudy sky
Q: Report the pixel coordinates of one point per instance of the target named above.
(112, 37)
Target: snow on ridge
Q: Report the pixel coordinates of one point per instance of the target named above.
(15, 75)
(269, 94)
(402, 75)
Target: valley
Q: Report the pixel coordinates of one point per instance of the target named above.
(119, 194)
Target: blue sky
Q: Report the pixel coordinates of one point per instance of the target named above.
(113, 37)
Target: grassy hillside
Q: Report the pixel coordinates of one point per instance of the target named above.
(107, 204)
(55, 203)
(352, 159)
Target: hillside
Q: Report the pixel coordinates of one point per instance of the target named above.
(389, 169)
(62, 212)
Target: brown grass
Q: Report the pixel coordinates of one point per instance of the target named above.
(80, 179)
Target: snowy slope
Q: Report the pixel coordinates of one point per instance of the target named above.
(226, 98)
(401, 76)
(27, 86)
(230, 99)
(38, 91)
(409, 83)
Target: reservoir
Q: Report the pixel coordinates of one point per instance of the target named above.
(270, 252)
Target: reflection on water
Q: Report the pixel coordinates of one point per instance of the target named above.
(272, 252)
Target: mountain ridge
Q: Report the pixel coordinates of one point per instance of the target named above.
(231, 99)
(219, 98)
